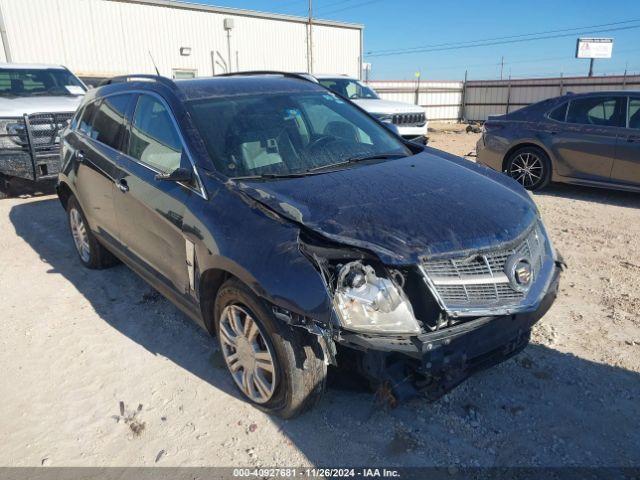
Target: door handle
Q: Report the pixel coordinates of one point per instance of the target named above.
(80, 156)
(122, 185)
(633, 138)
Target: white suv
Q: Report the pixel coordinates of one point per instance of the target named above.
(410, 120)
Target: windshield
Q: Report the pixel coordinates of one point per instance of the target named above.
(348, 88)
(288, 133)
(38, 81)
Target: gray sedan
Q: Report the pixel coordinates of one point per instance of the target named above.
(588, 139)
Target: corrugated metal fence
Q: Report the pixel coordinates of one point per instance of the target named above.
(475, 100)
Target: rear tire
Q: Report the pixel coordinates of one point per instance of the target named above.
(530, 167)
(297, 378)
(91, 253)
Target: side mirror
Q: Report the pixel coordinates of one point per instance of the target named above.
(178, 175)
(392, 126)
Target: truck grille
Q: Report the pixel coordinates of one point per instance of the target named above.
(45, 129)
(409, 119)
(481, 280)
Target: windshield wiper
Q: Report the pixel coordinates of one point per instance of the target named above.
(315, 170)
(378, 156)
(263, 176)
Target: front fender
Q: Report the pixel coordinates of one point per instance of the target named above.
(237, 235)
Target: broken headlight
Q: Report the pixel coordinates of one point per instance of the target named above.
(367, 302)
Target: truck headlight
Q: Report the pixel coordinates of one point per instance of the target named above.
(366, 302)
(383, 117)
(12, 133)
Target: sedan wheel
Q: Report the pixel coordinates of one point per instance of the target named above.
(247, 354)
(529, 166)
(527, 169)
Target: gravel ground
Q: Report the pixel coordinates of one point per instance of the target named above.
(99, 370)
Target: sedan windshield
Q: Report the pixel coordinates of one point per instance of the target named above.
(27, 82)
(289, 133)
(348, 88)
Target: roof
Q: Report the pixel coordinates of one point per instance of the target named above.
(240, 12)
(32, 66)
(218, 86)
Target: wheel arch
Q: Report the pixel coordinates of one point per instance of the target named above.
(64, 193)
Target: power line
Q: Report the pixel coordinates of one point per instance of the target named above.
(508, 39)
(514, 62)
(351, 6)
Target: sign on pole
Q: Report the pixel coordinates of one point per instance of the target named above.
(594, 48)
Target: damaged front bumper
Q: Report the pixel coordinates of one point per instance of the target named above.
(437, 361)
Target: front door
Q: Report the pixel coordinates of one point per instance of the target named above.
(585, 145)
(626, 168)
(150, 212)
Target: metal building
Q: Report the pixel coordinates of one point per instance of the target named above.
(102, 38)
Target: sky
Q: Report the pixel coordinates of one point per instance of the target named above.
(394, 26)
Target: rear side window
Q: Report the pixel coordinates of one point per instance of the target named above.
(86, 119)
(634, 113)
(600, 111)
(108, 122)
(560, 113)
(154, 138)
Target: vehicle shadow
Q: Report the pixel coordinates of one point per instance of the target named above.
(616, 198)
(544, 407)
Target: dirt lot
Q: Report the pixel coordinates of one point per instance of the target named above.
(98, 369)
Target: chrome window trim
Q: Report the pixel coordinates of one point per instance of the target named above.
(201, 190)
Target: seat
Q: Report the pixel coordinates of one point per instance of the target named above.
(342, 130)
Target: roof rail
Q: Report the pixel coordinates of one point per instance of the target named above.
(148, 78)
(301, 76)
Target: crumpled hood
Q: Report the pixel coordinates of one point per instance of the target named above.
(18, 106)
(403, 210)
(387, 106)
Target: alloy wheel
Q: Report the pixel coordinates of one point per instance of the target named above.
(247, 354)
(80, 235)
(527, 169)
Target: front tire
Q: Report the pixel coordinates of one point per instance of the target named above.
(278, 368)
(530, 167)
(91, 253)
(5, 187)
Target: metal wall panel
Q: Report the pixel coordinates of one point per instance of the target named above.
(107, 37)
(441, 100)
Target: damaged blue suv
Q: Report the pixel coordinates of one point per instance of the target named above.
(304, 233)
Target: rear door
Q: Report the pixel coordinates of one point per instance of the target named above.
(584, 146)
(150, 212)
(96, 150)
(626, 168)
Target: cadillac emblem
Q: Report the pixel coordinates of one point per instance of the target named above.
(519, 272)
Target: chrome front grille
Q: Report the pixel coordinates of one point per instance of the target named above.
(409, 119)
(481, 280)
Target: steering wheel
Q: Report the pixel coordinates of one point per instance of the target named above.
(321, 140)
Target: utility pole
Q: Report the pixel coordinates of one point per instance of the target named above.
(310, 39)
(501, 66)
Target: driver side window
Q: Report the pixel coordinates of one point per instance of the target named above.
(154, 139)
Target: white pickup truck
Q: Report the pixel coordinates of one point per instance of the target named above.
(36, 102)
(410, 120)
